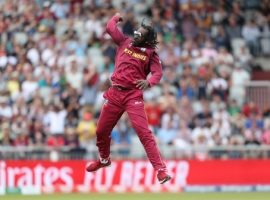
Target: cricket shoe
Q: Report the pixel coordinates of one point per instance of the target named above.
(163, 177)
(96, 165)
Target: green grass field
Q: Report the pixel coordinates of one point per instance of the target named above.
(146, 196)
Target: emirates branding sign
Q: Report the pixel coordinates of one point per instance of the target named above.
(71, 175)
(35, 177)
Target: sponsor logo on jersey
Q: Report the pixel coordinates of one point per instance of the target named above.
(134, 54)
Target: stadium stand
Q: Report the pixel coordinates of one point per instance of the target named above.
(56, 60)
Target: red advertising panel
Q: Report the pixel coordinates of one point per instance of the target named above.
(125, 176)
(240, 172)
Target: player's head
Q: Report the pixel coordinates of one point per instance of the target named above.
(145, 35)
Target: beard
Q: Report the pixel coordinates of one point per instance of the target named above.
(138, 42)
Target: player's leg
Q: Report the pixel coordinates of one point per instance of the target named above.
(136, 113)
(109, 116)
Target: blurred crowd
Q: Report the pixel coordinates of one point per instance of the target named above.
(56, 60)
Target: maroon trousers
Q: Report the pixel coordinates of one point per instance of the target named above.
(131, 101)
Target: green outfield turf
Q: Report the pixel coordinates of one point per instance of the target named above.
(148, 196)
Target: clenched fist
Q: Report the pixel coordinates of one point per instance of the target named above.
(119, 16)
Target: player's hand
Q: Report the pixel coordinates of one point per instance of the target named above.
(120, 18)
(142, 84)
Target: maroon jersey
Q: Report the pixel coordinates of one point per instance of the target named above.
(132, 63)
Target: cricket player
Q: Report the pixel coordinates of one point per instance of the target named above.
(135, 59)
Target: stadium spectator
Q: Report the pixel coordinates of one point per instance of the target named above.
(251, 34)
(154, 112)
(238, 79)
(6, 137)
(86, 129)
(56, 60)
(55, 120)
(169, 126)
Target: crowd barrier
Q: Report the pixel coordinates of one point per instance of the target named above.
(135, 152)
(259, 93)
(37, 177)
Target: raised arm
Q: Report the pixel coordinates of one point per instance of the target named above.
(113, 30)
